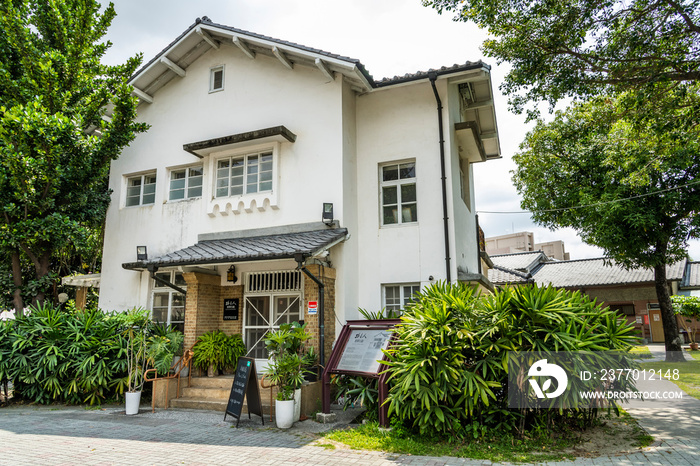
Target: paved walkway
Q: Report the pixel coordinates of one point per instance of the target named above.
(71, 435)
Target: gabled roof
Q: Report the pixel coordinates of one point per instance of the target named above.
(245, 249)
(522, 261)
(481, 130)
(597, 272)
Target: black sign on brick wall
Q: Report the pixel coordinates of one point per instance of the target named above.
(231, 309)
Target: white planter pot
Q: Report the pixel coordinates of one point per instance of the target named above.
(133, 401)
(297, 404)
(284, 413)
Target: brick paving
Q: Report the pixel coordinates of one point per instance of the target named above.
(59, 435)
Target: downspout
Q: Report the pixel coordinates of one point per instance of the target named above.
(321, 320)
(153, 269)
(432, 76)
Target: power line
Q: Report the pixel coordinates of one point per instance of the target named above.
(590, 205)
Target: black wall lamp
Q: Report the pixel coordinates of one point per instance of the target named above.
(327, 213)
(141, 253)
(231, 274)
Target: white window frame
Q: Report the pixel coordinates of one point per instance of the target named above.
(405, 295)
(142, 179)
(397, 185)
(248, 170)
(187, 187)
(157, 288)
(212, 78)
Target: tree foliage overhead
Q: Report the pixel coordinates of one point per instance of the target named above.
(576, 47)
(64, 116)
(624, 178)
(626, 183)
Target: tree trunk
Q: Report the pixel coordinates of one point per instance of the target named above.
(42, 270)
(17, 280)
(674, 351)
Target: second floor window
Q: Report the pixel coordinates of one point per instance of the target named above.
(246, 174)
(141, 190)
(398, 186)
(185, 183)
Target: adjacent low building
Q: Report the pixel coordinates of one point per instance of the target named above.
(631, 292)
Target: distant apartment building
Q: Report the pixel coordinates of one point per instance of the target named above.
(524, 241)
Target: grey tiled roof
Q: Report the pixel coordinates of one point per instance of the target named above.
(279, 246)
(424, 74)
(524, 261)
(591, 272)
(501, 276)
(206, 20)
(692, 275)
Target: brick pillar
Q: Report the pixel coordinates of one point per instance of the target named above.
(327, 277)
(203, 311)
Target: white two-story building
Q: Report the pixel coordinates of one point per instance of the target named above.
(274, 171)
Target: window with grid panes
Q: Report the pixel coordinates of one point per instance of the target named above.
(168, 305)
(185, 183)
(141, 190)
(398, 193)
(396, 297)
(245, 174)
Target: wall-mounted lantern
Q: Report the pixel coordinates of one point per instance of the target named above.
(141, 253)
(231, 274)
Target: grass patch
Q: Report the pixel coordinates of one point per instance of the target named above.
(498, 448)
(688, 372)
(641, 352)
(327, 446)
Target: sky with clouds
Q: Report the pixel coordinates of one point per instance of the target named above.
(390, 37)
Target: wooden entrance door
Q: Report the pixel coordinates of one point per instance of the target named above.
(657, 328)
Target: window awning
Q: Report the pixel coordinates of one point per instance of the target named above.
(246, 249)
(276, 133)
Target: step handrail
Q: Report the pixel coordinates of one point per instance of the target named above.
(173, 373)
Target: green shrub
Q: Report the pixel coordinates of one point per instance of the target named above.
(448, 368)
(218, 350)
(71, 356)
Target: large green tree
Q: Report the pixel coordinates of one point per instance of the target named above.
(576, 47)
(624, 179)
(64, 116)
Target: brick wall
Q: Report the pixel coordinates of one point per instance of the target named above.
(203, 312)
(327, 276)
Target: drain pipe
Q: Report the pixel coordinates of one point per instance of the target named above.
(432, 76)
(299, 258)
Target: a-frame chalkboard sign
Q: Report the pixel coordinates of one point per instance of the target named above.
(245, 385)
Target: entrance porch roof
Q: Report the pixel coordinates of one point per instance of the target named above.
(244, 249)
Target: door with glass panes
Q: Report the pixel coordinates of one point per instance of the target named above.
(267, 312)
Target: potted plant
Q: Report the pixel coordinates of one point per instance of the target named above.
(136, 327)
(215, 350)
(687, 308)
(289, 363)
(287, 373)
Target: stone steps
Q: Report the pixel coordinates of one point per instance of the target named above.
(212, 393)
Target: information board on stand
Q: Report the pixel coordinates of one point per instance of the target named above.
(359, 351)
(245, 387)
